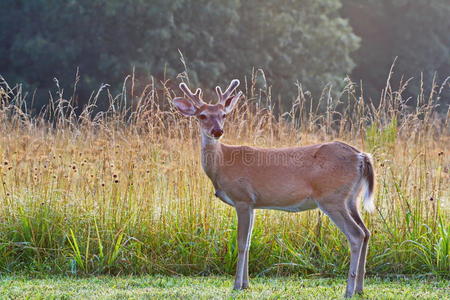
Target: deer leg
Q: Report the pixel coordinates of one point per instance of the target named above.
(362, 260)
(245, 277)
(245, 220)
(355, 236)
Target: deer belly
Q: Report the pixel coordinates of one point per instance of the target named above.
(224, 197)
(303, 205)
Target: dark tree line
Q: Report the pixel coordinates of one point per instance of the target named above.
(306, 41)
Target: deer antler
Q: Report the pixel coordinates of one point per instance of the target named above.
(195, 98)
(224, 96)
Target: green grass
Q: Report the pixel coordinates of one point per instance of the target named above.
(165, 287)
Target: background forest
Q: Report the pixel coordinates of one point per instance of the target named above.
(312, 43)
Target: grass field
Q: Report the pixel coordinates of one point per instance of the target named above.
(213, 287)
(123, 192)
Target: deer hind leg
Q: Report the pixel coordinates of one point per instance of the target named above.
(355, 236)
(362, 260)
(245, 216)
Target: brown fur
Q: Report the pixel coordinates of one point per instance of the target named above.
(281, 177)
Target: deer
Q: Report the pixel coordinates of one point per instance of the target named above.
(329, 176)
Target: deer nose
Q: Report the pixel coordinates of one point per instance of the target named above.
(217, 132)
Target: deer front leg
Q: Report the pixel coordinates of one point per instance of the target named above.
(245, 278)
(245, 221)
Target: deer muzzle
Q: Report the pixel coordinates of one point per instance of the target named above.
(216, 132)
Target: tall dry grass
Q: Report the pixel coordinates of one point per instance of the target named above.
(122, 191)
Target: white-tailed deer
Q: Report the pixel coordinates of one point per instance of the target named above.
(329, 176)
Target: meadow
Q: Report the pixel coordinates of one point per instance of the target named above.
(122, 192)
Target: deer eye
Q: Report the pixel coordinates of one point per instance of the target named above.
(202, 117)
(223, 116)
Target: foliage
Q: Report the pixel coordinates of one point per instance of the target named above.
(313, 44)
(301, 40)
(382, 139)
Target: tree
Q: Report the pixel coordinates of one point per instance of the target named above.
(304, 41)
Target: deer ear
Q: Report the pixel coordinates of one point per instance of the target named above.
(231, 102)
(184, 106)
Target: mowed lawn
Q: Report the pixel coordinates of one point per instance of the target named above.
(214, 287)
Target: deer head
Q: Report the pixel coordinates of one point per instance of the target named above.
(211, 116)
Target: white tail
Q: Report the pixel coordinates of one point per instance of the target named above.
(369, 182)
(368, 202)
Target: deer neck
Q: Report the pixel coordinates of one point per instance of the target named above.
(211, 156)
